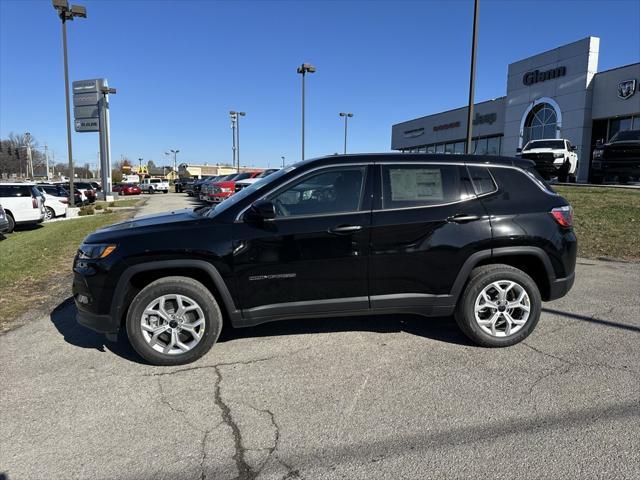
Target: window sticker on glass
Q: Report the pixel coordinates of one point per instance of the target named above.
(416, 184)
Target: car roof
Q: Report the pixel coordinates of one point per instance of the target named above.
(13, 184)
(422, 158)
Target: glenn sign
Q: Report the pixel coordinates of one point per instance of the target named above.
(537, 76)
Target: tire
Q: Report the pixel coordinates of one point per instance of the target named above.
(150, 191)
(195, 293)
(562, 177)
(49, 213)
(596, 180)
(12, 223)
(482, 278)
(166, 191)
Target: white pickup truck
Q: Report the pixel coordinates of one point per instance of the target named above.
(153, 185)
(553, 157)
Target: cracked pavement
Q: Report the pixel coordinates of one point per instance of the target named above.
(355, 398)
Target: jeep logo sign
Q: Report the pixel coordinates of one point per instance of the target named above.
(537, 76)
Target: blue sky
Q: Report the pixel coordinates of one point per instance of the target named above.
(180, 66)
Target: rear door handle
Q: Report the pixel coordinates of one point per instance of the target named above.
(344, 229)
(462, 218)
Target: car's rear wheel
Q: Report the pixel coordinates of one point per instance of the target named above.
(49, 213)
(499, 307)
(173, 321)
(12, 223)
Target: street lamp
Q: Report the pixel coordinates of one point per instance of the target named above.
(235, 126)
(346, 116)
(68, 13)
(175, 168)
(303, 70)
(282, 161)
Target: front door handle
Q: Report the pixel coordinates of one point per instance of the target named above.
(462, 218)
(344, 229)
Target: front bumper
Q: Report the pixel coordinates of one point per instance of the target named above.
(97, 323)
(218, 197)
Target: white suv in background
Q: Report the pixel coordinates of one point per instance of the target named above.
(54, 206)
(152, 185)
(554, 157)
(23, 204)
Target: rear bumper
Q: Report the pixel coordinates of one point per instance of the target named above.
(561, 286)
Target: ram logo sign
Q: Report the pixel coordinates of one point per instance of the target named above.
(626, 89)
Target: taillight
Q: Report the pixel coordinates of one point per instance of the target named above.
(64, 200)
(563, 215)
(34, 202)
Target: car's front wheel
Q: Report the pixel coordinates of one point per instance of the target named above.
(499, 307)
(173, 321)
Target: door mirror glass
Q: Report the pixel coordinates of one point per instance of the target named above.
(261, 210)
(599, 142)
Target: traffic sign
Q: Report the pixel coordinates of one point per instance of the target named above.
(87, 124)
(86, 99)
(85, 86)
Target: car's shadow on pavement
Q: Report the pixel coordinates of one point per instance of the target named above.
(440, 329)
(63, 318)
(443, 329)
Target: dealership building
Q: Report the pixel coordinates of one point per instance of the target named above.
(555, 94)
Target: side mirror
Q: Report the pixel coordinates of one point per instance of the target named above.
(573, 148)
(262, 210)
(599, 142)
(518, 150)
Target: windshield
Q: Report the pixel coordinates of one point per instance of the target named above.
(245, 192)
(626, 135)
(545, 144)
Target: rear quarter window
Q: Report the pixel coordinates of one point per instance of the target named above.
(481, 180)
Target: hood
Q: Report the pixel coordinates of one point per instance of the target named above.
(540, 150)
(144, 225)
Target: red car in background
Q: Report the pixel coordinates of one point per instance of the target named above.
(220, 191)
(127, 189)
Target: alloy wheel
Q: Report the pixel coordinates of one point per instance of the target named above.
(502, 308)
(173, 324)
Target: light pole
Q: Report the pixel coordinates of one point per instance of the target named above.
(472, 76)
(175, 168)
(235, 125)
(303, 70)
(234, 120)
(27, 144)
(346, 115)
(68, 13)
(282, 161)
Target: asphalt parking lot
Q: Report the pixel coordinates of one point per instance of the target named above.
(368, 398)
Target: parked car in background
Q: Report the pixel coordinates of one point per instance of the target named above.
(196, 188)
(54, 206)
(240, 184)
(182, 184)
(207, 187)
(482, 238)
(96, 186)
(153, 185)
(23, 204)
(127, 189)
(553, 158)
(4, 222)
(620, 157)
(61, 190)
(224, 188)
(87, 191)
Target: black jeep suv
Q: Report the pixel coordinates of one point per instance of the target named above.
(619, 157)
(483, 238)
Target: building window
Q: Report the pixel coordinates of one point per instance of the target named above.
(493, 146)
(481, 146)
(431, 149)
(440, 148)
(458, 148)
(621, 124)
(541, 122)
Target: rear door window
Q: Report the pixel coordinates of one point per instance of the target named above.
(15, 191)
(417, 185)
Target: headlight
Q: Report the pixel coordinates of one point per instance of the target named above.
(225, 190)
(97, 250)
(558, 155)
(597, 153)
